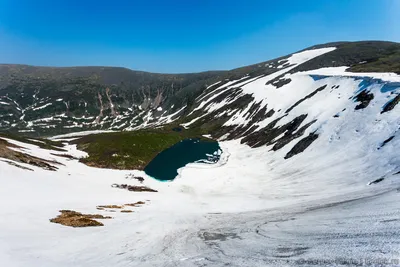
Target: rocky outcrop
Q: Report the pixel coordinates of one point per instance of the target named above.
(302, 145)
(391, 104)
(365, 98)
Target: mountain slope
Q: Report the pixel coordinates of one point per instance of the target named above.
(309, 171)
(44, 101)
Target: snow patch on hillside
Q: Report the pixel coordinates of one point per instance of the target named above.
(256, 87)
(341, 71)
(78, 134)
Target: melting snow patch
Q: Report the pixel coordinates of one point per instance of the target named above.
(42, 107)
(78, 134)
(341, 71)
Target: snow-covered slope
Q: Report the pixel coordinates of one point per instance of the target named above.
(309, 175)
(247, 211)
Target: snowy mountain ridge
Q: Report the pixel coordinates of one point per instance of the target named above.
(47, 101)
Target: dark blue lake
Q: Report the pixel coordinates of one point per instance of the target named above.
(164, 166)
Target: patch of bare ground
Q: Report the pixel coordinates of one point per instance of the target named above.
(110, 206)
(136, 204)
(76, 219)
(17, 165)
(134, 188)
(68, 156)
(132, 176)
(10, 154)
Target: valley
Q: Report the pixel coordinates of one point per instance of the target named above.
(288, 162)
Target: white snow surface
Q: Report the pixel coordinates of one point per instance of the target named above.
(341, 71)
(301, 57)
(77, 134)
(44, 106)
(252, 209)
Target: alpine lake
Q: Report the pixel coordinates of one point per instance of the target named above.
(164, 167)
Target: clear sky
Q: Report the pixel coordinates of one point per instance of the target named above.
(183, 35)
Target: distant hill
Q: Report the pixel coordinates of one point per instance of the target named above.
(49, 100)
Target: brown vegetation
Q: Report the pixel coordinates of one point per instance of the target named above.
(135, 204)
(8, 153)
(76, 219)
(110, 207)
(17, 165)
(134, 188)
(68, 156)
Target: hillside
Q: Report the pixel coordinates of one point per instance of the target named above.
(43, 101)
(306, 170)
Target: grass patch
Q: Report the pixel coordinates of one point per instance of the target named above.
(130, 150)
(384, 60)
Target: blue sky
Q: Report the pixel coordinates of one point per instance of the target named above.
(183, 35)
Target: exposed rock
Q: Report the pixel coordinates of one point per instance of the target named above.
(289, 136)
(68, 156)
(386, 141)
(98, 118)
(158, 99)
(136, 204)
(134, 188)
(302, 145)
(132, 176)
(364, 97)
(113, 112)
(268, 135)
(280, 81)
(306, 97)
(377, 181)
(391, 104)
(110, 207)
(263, 136)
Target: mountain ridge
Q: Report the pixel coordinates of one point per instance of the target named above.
(44, 101)
(335, 43)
